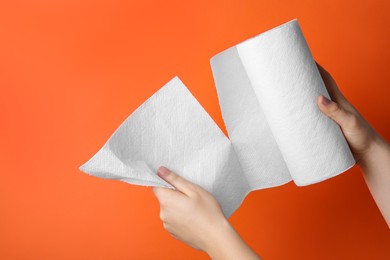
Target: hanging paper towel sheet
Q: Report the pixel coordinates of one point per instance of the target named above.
(267, 89)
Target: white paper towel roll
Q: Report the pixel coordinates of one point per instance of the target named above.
(267, 88)
(276, 75)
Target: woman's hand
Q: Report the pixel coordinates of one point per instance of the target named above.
(371, 151)
(194, 216)
(361, 137)
(189, 213)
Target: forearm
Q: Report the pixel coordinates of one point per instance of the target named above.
(376, 171)
(229, 245)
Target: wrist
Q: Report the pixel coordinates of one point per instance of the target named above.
(376, 146)
(375, 168)
(227, 244)
(221, 231)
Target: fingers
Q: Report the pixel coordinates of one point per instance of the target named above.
(160, 192)
(341, 116)
(331, 85)
(167, 198)
(176, 181)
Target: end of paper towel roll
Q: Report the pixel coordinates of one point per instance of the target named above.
(323, 178)
(295, 20)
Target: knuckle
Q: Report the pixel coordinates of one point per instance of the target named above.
(195, 186)
(194, 195)
(173, 178)
(165, 226)
(200, 191)
(194, 192)
(353, 121)
(162, 216)
(334, 110)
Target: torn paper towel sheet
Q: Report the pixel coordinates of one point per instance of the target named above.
(171, 128)
(267, 88)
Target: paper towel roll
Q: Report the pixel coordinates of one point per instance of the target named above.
(267, 88)
(278, 69)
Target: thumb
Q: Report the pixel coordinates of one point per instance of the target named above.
(335, 112)
(176, 181)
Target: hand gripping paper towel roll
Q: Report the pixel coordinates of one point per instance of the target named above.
(267, 88)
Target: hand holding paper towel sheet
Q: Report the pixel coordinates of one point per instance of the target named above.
(267, 89)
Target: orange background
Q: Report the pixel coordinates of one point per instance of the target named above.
(72, 71)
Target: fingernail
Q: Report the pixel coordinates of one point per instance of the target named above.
(325, 101)
(162, 171)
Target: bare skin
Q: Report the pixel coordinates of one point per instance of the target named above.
(193, 216)
(370, 150)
